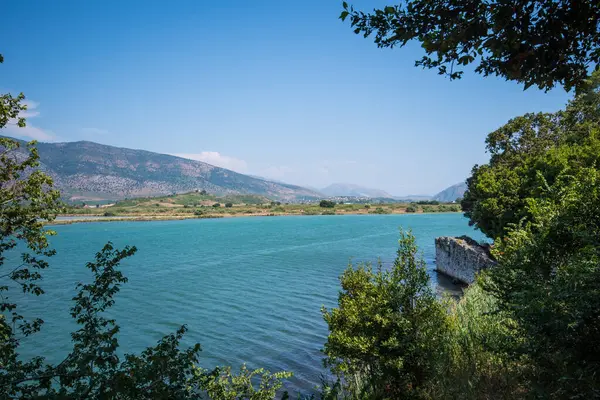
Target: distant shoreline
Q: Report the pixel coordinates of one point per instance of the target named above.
(78, 218)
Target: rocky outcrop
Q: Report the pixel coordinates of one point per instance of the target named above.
(461, 258)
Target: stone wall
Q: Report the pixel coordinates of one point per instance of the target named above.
(461, 258)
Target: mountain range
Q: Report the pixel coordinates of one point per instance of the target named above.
(91, 171)
(348, 189)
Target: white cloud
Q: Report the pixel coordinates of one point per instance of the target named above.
(29, 131)
(217, 159)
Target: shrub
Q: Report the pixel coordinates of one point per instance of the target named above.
(386, 334)
(328, 212)
(367, 206)
(310, 212)
(228, 205)
(412, 209)
(379, 210)
(474, 363)
(327, 203)
(216, 205)
(109, 214)
(198, 212)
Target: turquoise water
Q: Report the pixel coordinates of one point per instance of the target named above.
(249, 289)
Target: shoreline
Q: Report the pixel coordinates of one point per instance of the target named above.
(149, 218)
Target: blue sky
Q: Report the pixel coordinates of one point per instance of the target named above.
(278, 89)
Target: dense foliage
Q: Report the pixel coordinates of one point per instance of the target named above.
(392, 338)
(534, 42)
(412, 209)
(550, 283)
(387, 333)
(327, 203)
(529, 153)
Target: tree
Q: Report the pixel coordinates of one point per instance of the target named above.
(549, 282)
(27, 200)
(327, 203)
(228, 205)
(527, 150)
(386, 334)
(216, 205)
(536, 43)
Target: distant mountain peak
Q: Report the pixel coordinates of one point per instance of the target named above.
(451, 193)
(350, 189)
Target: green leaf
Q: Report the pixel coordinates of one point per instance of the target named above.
(343, 15)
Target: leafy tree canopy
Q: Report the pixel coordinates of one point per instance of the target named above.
(327, 203)
(528, 153)
(536, 43)
(549, 282)
(386, 335)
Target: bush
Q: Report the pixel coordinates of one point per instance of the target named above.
(198, 212)
(216, 205)
(412, 209)
(475, 364)
(367, 206)
(109, 214)
(327, 203)
(328, 212)
(386, 334)
(379, 210)
(228, 205)
(310, 212)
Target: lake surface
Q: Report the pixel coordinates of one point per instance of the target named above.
(249, 289)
